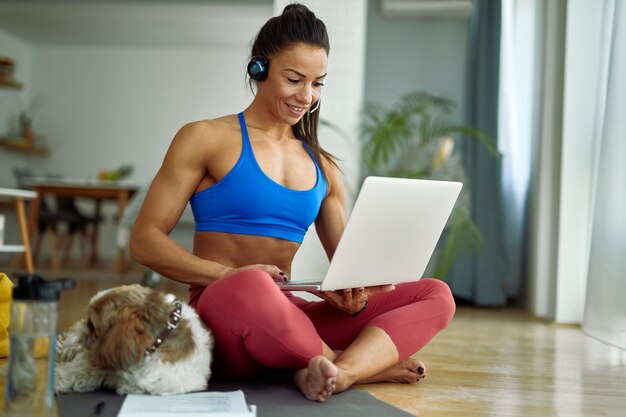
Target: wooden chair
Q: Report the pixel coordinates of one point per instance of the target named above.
(59, 224)
(78, 224)
(19, 196)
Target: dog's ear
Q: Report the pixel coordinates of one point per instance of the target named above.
(125, 341)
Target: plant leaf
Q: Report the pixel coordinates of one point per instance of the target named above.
(463, 237)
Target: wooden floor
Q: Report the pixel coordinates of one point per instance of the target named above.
(488, 362)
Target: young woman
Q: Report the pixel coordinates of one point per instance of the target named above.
(256, 181)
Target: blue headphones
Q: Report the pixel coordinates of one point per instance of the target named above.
(258, 68)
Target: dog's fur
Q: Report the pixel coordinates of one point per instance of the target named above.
(107, 349)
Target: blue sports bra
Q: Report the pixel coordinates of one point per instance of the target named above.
(246, 201)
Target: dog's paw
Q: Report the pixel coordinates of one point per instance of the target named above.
(81, 381)
(130, 388)
(77, 376)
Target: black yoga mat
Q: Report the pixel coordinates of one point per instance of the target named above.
(274, 395)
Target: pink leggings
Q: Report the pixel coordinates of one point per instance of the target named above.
(257, 326)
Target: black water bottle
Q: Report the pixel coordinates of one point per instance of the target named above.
(30, 374)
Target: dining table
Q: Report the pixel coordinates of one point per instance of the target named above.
(119, 191)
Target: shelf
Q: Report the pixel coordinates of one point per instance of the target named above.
(12, 248)
(10, 84)
(20, 145)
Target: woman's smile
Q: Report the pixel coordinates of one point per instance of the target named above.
(297, 111)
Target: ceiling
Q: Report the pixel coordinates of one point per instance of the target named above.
(132, 22)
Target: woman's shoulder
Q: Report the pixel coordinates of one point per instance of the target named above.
(202, 139)
(220, 125)
(207, 132)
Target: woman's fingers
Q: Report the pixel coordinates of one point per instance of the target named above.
(348, 300)
(379, 289)
(353, 299)
(275, 272)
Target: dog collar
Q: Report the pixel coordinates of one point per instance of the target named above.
(172, 323)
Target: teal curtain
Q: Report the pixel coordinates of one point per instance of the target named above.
(480, 277)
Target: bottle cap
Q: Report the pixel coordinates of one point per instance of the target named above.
(35, 287)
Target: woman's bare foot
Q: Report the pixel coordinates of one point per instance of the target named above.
(407, 371)
(317, 382)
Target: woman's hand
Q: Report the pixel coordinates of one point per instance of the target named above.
(275, 272)
(352, 300)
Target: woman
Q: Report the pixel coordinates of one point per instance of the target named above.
(256, 181)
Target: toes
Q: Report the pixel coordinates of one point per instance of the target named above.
(325, 394)
(416, 367)
(320, 380)
(420, 369)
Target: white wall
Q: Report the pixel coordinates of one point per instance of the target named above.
(108, 106)
(104, 105)
(546, 166)
(407, 54)
(12, 102)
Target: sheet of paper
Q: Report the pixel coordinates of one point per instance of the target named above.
(208, 404)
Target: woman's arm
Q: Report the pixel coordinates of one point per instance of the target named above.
(330, 223)
(183, 168)
(332, 218)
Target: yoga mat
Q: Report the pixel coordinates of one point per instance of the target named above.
(274, 395)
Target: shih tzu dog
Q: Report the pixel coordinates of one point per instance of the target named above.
(135, 340)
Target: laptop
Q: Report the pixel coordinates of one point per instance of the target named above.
(391, 234)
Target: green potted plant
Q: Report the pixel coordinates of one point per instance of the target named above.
(414, 138)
